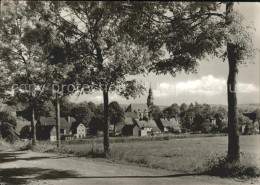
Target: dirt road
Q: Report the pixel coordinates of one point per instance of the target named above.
(44, 169)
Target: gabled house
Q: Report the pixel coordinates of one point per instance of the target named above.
(47, 132)
(131, 130)
(44, 125)
(147, 127)
(175, 125)
(141, 110)
(78, 130)
(64, 124)
(168, 125)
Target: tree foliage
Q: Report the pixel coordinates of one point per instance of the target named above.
(8, 125)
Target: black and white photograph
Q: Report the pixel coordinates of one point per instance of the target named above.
(129, 92)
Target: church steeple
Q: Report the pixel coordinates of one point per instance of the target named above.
(150, 97)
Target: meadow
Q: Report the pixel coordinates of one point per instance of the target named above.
(175, 154)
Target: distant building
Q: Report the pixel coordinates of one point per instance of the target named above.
(45, 127)
(78, 130)
(141, 110)
(138, 121)
(168, 125)
(135, 127)
(213, 121)
(130, 130)
(47, 132)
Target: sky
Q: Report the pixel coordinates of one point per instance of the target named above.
(208, 85)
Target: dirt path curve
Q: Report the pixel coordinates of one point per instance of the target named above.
(44, 169)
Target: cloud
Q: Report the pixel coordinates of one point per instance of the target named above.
(206, 85)
(99, 98)
(247, 88)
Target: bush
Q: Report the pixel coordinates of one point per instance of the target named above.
(7, 127)
(28, 146)
(220, 166)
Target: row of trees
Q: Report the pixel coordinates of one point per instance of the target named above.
(102, 43)
(198, 117)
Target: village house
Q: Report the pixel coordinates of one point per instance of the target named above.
(169, 125)
(46, 125)
(138, 121)
(135, 127)
(78, 130)
(131, 130)
(47, 132)
(141, 110)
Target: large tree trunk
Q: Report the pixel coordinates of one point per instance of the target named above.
(233, 127)
(58, 121)
(106, 123)
(33, 126)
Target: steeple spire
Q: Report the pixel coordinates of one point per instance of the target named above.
(150, 97)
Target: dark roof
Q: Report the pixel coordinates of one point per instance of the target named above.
(165, 122)
(131, 115)
(74, 126)
(146, 124)
(173, 123)
(129, 121)
(128, 127)
(137, 108)
(119, 128)
(46, 129)
(64, 124)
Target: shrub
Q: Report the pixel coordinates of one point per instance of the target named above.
(220, 166)
(7, 126)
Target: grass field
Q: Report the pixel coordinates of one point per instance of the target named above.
(184, 155)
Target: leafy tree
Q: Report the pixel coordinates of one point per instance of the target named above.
(172, 112)
(8, 125)
(65, 106)
(27, 50)
(183, 109)
(92, 106)
(82, 113)
(156, 112)
(42, 109)
(221, 118)
(116, 114)
(257, 115)
(243, 120)
(201, 123)
(189, 32)
(96, 32)
(97, 122)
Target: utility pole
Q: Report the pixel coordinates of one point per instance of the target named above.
(58, 120)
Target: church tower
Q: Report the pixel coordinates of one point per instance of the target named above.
(150, 97)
